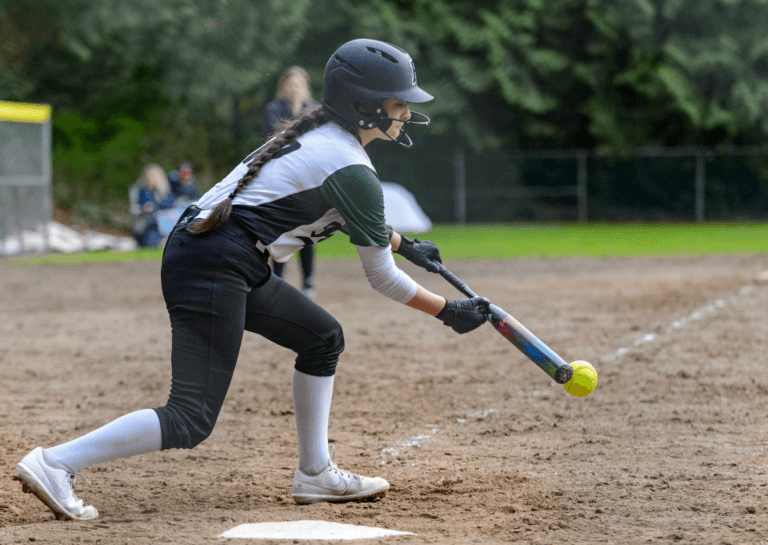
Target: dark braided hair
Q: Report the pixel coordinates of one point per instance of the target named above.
(283, 136)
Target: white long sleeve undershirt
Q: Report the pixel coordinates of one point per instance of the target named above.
(384, 275)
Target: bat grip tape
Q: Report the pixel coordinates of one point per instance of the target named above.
(454, 280)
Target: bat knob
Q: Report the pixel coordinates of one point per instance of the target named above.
(563, 374)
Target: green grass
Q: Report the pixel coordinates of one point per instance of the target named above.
(523, 241)
(101, 256)
(599, 240)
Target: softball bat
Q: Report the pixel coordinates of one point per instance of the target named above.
(525, 341)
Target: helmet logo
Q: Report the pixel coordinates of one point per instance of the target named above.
(413, 71)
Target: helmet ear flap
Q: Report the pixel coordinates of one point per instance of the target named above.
(363, 111)
(370, 118)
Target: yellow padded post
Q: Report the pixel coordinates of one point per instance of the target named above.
(23, 112)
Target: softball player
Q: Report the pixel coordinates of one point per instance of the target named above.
(310, 181)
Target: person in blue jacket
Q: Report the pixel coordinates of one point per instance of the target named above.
(293, 99)
(183, 183)
(153, 194)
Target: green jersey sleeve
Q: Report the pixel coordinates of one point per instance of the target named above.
(356, 193)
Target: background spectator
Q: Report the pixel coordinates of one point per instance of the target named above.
(183, 183)
(293, 98)
(152, 192)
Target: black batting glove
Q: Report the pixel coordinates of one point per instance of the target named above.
(423, 254)
(464, 315)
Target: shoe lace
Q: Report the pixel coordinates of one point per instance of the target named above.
(73, 475)
(344, 474)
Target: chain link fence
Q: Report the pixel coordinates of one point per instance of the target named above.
(684, 184)
(25, 177)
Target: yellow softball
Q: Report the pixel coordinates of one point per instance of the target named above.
(583, 381)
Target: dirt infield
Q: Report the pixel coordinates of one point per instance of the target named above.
(479, 445)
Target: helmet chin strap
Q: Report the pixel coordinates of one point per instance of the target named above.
(384, 123)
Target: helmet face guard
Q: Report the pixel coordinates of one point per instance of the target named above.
(361, 74)
(404, 139)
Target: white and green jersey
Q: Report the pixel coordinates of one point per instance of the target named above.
(322, 183)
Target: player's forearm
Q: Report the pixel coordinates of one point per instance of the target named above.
(394, 241)
(426, 301)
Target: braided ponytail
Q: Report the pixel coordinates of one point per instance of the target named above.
(292, 130)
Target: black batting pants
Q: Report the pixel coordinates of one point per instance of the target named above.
(216, 286)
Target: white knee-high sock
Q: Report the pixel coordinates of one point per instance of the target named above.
(134, 433)
(312, 406)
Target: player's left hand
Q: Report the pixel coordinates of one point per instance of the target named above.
(422, 253)
(464, 315)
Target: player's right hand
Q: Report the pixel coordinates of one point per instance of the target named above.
(464, 315)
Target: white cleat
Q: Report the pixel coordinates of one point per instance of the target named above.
(53, 486)
(336, 485)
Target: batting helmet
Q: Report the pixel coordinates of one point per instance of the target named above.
(361, 74)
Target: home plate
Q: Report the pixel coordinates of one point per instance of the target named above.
(308, 529)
